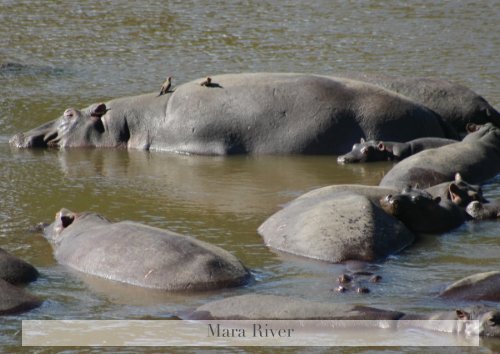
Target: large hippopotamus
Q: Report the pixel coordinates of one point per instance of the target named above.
(14, 270)
(456, 104)
(140, 255)
(372, 150)
(273, 307)
(336, 224)
(476, 158)
(260, 113)
(476, 287)
(423, 213)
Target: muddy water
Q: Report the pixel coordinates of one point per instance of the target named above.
(74, 53)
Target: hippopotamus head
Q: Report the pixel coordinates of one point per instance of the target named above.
(488, 321)
(67, 220)
(411, 206)
(75, 128)
(366, 151)
(462, 193)
(480, 211)
(480, 131)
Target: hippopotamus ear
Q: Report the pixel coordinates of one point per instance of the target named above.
(454, 192)
(361, 140)
(381, 146)
(458, 177)
(99, 110)
(463, 315)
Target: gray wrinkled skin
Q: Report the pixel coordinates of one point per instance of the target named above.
(480, 286)
(140, 255)
(476, 158)
(336, 224)
(14, 300)
(260, 113)
(14, 270)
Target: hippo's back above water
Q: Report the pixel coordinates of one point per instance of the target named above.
(262, 113)
(141, 255)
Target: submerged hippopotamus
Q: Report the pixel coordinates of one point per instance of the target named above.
(15, 300)
(14, 270)
(481, 211)
(423, 213)
(259, 113)
(335, 224)
(476, 158)
(273, 307)
(371, 151)
(140, 255)
(481, 286)
(456, 104)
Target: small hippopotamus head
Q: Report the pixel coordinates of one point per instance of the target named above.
(66, 221)
(366, 151)
(480, 211)
(414, 207)
(462, 193)
(75, 128)
(480, 320)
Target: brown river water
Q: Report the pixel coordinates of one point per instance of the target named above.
(78, 52)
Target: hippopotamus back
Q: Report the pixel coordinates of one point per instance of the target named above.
(141, 255)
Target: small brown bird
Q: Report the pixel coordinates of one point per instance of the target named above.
(207, 82)
(166, 86)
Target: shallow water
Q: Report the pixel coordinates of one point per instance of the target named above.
(76, 53)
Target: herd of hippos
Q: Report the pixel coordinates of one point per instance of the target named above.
(446, 136)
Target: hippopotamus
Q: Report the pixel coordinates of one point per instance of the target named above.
(16, 271)
(458, 191)
(455, 103)
(477, 287)
(481, 211)
(476, 158)
(370, 151)
(335, 224)
(262, 113)
(15, 300)
(477, 320)
(274, 307)
(423, 213)
(140, 255)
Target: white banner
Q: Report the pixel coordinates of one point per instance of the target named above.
(248, 333)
